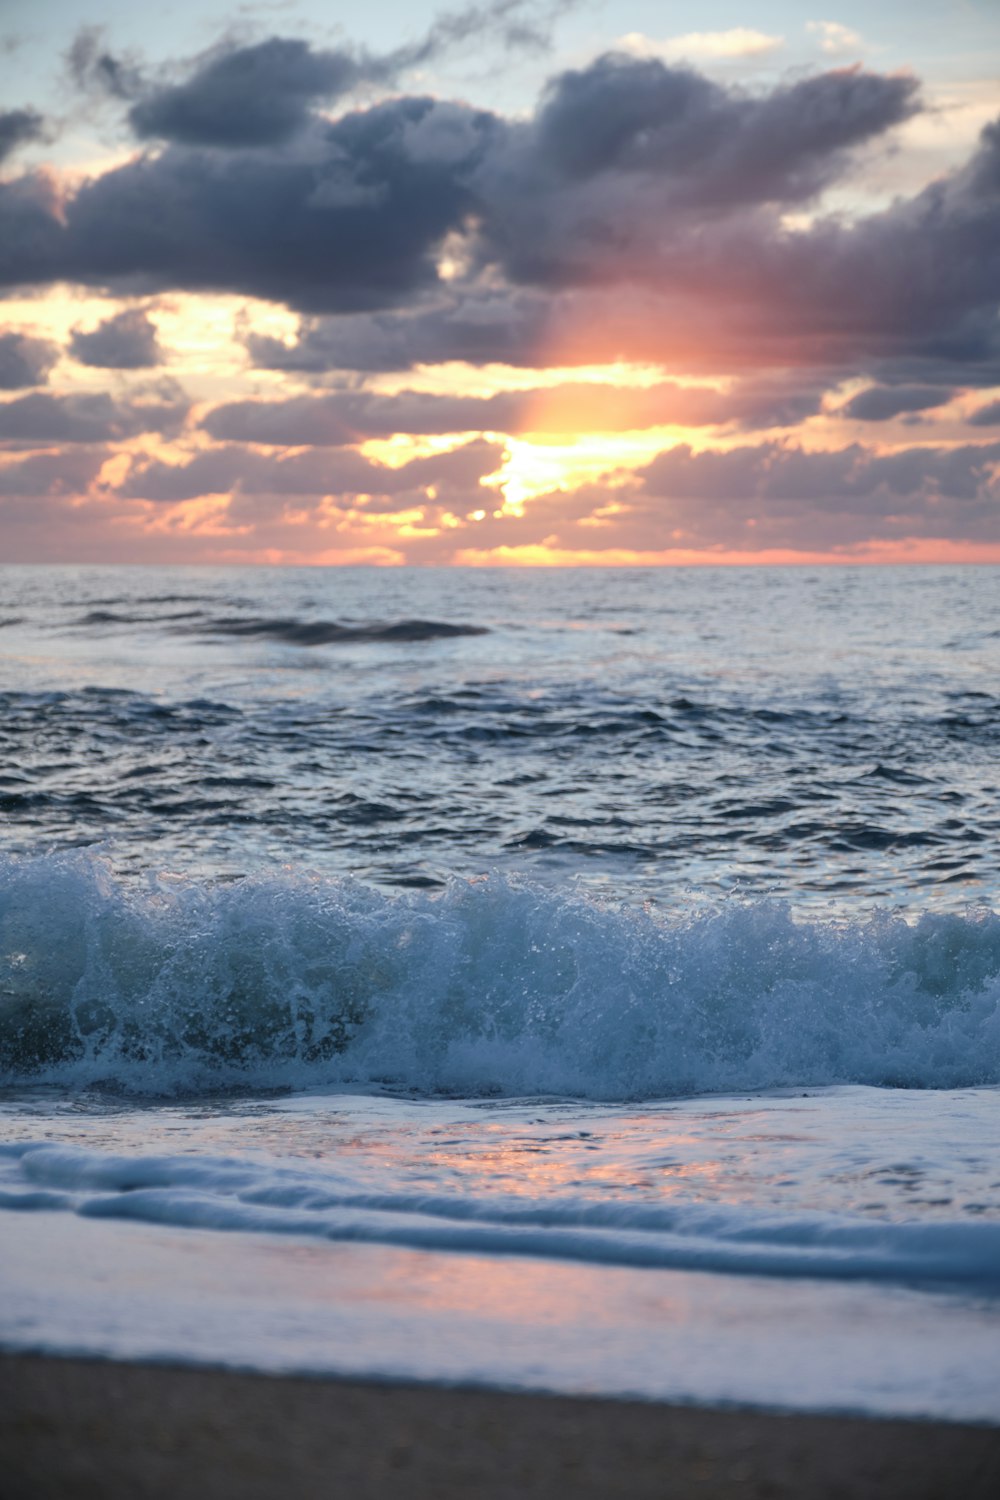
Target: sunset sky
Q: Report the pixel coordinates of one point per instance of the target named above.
(510, 283)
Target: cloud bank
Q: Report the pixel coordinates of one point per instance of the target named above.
(838, 367)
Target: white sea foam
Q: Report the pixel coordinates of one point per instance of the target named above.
(491, 986)
(259, 1196)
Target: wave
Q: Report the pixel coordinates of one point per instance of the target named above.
(253, 1196)
(288, 630)
(491, 986)
(328, 632)
(119, 617)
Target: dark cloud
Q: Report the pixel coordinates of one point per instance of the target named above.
(639, 214)
(986, 416)
(484, 326)
(19, 127)
(537, 329)
(125, 341)
(347, 417)
(778, 495)
(30, 230)
(41, 418)
(259, 95)
(67, 473)
(25, 361)
(634, 171)
(347, 474)
(350, 219)
(265, 93)
(707, 144)
(881, 403)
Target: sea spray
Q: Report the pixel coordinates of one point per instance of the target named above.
(491, 986)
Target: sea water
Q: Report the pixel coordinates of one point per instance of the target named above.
(579, 981)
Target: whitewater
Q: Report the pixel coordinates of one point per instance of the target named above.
(586, 981)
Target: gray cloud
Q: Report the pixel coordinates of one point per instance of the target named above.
(25, 361)
(19, 127)
(881, 403)
(351, 218)
(778, 495)
(986, 416)
(637, 215)
(66, 473)
(41, 418)
(346, 417)
(265, 93)
(125, 341)
(481, 326)
(711, 144)
(344, 473)
(247, 96)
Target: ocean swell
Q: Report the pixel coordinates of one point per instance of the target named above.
(492, 986)
(288, 630)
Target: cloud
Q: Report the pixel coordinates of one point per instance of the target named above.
(611, 180)
(635, 172)
(640, 213)
(97, 72)
(65, 473)
(41, 418)
(265, 93)
(125, 341)
(235, 468)
(710, 46)
(986, 416)
(835, 39)
(247, 96)
(349, 417)
(882, 403)
(19, 127)
(516, 24)
(480, 326)
(704, 143)
(25, 361)
(761, 499)
(779, 495)
(918, 281)
(351, 218)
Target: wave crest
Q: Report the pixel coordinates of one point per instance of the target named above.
(491, 986)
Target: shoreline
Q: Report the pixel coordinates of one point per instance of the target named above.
(90, 1429)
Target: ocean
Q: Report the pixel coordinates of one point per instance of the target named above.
(571, 980)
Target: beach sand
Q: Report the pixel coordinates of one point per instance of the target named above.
(90, 1428)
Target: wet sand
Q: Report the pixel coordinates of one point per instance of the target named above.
(90, 1428)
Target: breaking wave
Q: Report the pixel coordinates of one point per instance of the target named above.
(491, 986)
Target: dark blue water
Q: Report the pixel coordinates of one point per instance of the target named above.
(827, 736)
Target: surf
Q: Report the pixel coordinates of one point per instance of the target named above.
(492, 986)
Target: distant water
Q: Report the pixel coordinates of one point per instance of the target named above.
(830, 737)
(637, 921)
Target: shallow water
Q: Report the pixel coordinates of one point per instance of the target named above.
(579, 981)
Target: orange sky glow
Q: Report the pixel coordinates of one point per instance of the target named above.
(757, 325)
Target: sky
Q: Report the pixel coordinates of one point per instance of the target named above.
(516, 282)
